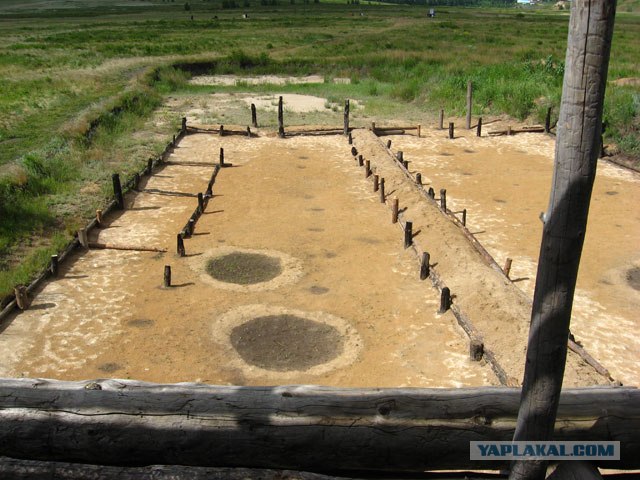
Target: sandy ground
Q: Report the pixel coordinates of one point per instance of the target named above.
(303, 197)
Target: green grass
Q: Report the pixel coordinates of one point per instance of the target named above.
(81, 79)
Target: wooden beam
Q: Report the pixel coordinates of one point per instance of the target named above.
(130, 423)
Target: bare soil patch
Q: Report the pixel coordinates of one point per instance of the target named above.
(244, 268)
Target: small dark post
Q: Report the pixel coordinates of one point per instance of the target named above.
(424, 265)
(53, 268)
(167, 276)
(441, 123)
(22, 297)
(98, 218)
(382, 197)
(394, 211)
(117, 191)
(192, 226)
(389, 144)
(221, 130)
(173, 144)
(367, 169)
(400, 156)
(431, 193)
(181, 251)
(346, 117)
(209, 192)
(376, 182)
(451, 136)
(184, 124)
(445, 300)
(507, 267)
(83, 238)
(419, 178)
(419, 128)
(136, 180)
(249, 132)
(443, 200)
(200, 202)
(547, 121)
(408, 234)
(476, 349)
(360, 161)
(469, 102)
(405, 164)
(464, 217)
(479, 128)
(280, 119)
(350, 137)
(254, 116)
(221, 157)
(509, 130)
(354, 151)
(149, 166)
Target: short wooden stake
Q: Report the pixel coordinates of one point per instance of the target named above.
(443, 200)
(373, 127)
(149, 166)
(441, 121)
(200, 202)
(209, 191)
(360, 160)
(388, 143)
(405, 164)
(167, 276)
(174, 142)
(400, 156)
(424, 265)
(254, 116)
(394, 210)
(451, 133)
(547, 121)
(376, 182)
(367, 169)
(346, 117)
(419, 178)
(479, 128)
(280, 118)
(476, 349)
(191, 226)
(509, 130)
(469, 103)
(184, 124)
(221, 131)
(53, 267)
(98, 218)
(464, 217)
(445, 300)
(350, 138)
(419, 128)
(249, 132)
(382, 197)
(354, 151)
(22, 297)
(136, 180)
(431, 193)
(117, 191)
(507, 267)
(181, 251)
(82, 237)
(408, 234)
(221, 161)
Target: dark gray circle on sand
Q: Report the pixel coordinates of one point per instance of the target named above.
(244, 268)
(633, 278)
(286, 342)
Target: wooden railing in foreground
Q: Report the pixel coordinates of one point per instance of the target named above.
(320, 429)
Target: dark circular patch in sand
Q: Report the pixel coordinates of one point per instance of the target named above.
(140, 322)
(109, 367)
(633, 277)
(286, 342)
(317, 290)
(244, 268)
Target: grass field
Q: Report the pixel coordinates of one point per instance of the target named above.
(79, 81)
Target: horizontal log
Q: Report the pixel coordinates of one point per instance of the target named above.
(135, 248)
(513, 131)
(129, 423)
(386, 129)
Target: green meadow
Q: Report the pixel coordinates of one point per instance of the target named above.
(82, 82)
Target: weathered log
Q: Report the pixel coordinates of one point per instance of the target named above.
(124, 422)
(513, 131)
(134, 248)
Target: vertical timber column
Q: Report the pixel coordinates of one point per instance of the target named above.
(469, 102)
(117, 191)
(346, 117)
(280, 118)
(254, 116)
(577, 147)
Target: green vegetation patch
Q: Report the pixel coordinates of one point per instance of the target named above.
(244, 268)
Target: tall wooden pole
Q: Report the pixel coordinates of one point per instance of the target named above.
(469, 103)
(346, 117)
(577, 147)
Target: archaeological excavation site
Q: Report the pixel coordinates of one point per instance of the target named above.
(391, 266)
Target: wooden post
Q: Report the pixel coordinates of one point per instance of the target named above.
(445, 300)
(354, 151)
(117, 191)
(367, 169)
(184, 125)
(441, 121)
(360, 160)
(149, 166)
(249, 132)
(200, 202)
(350, 137)
(382, 197)
(221, 130)
(191, 227)
(419, 128)
(578, 134)
(221, 158)
(167, 276)
(209, 191)
(346, 117)
(22, 297)
(280, 118)
(464, 217)
(432, 193)
(507, 267)
(443, 200)
(547, 121)
(405, 164)
(451, 126)
(181, 251)
(419, 178)
(53, 267)
(99, 218)
(373, 127)
(476, 349)
(479, 128)
(400, 156)
(509, 130)
(388, 144)
(469, 103)
(376, 183)
(173, 143)
(408, 234)
(254, 116)
(424, 265)
(82, 238)
(394, 211)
